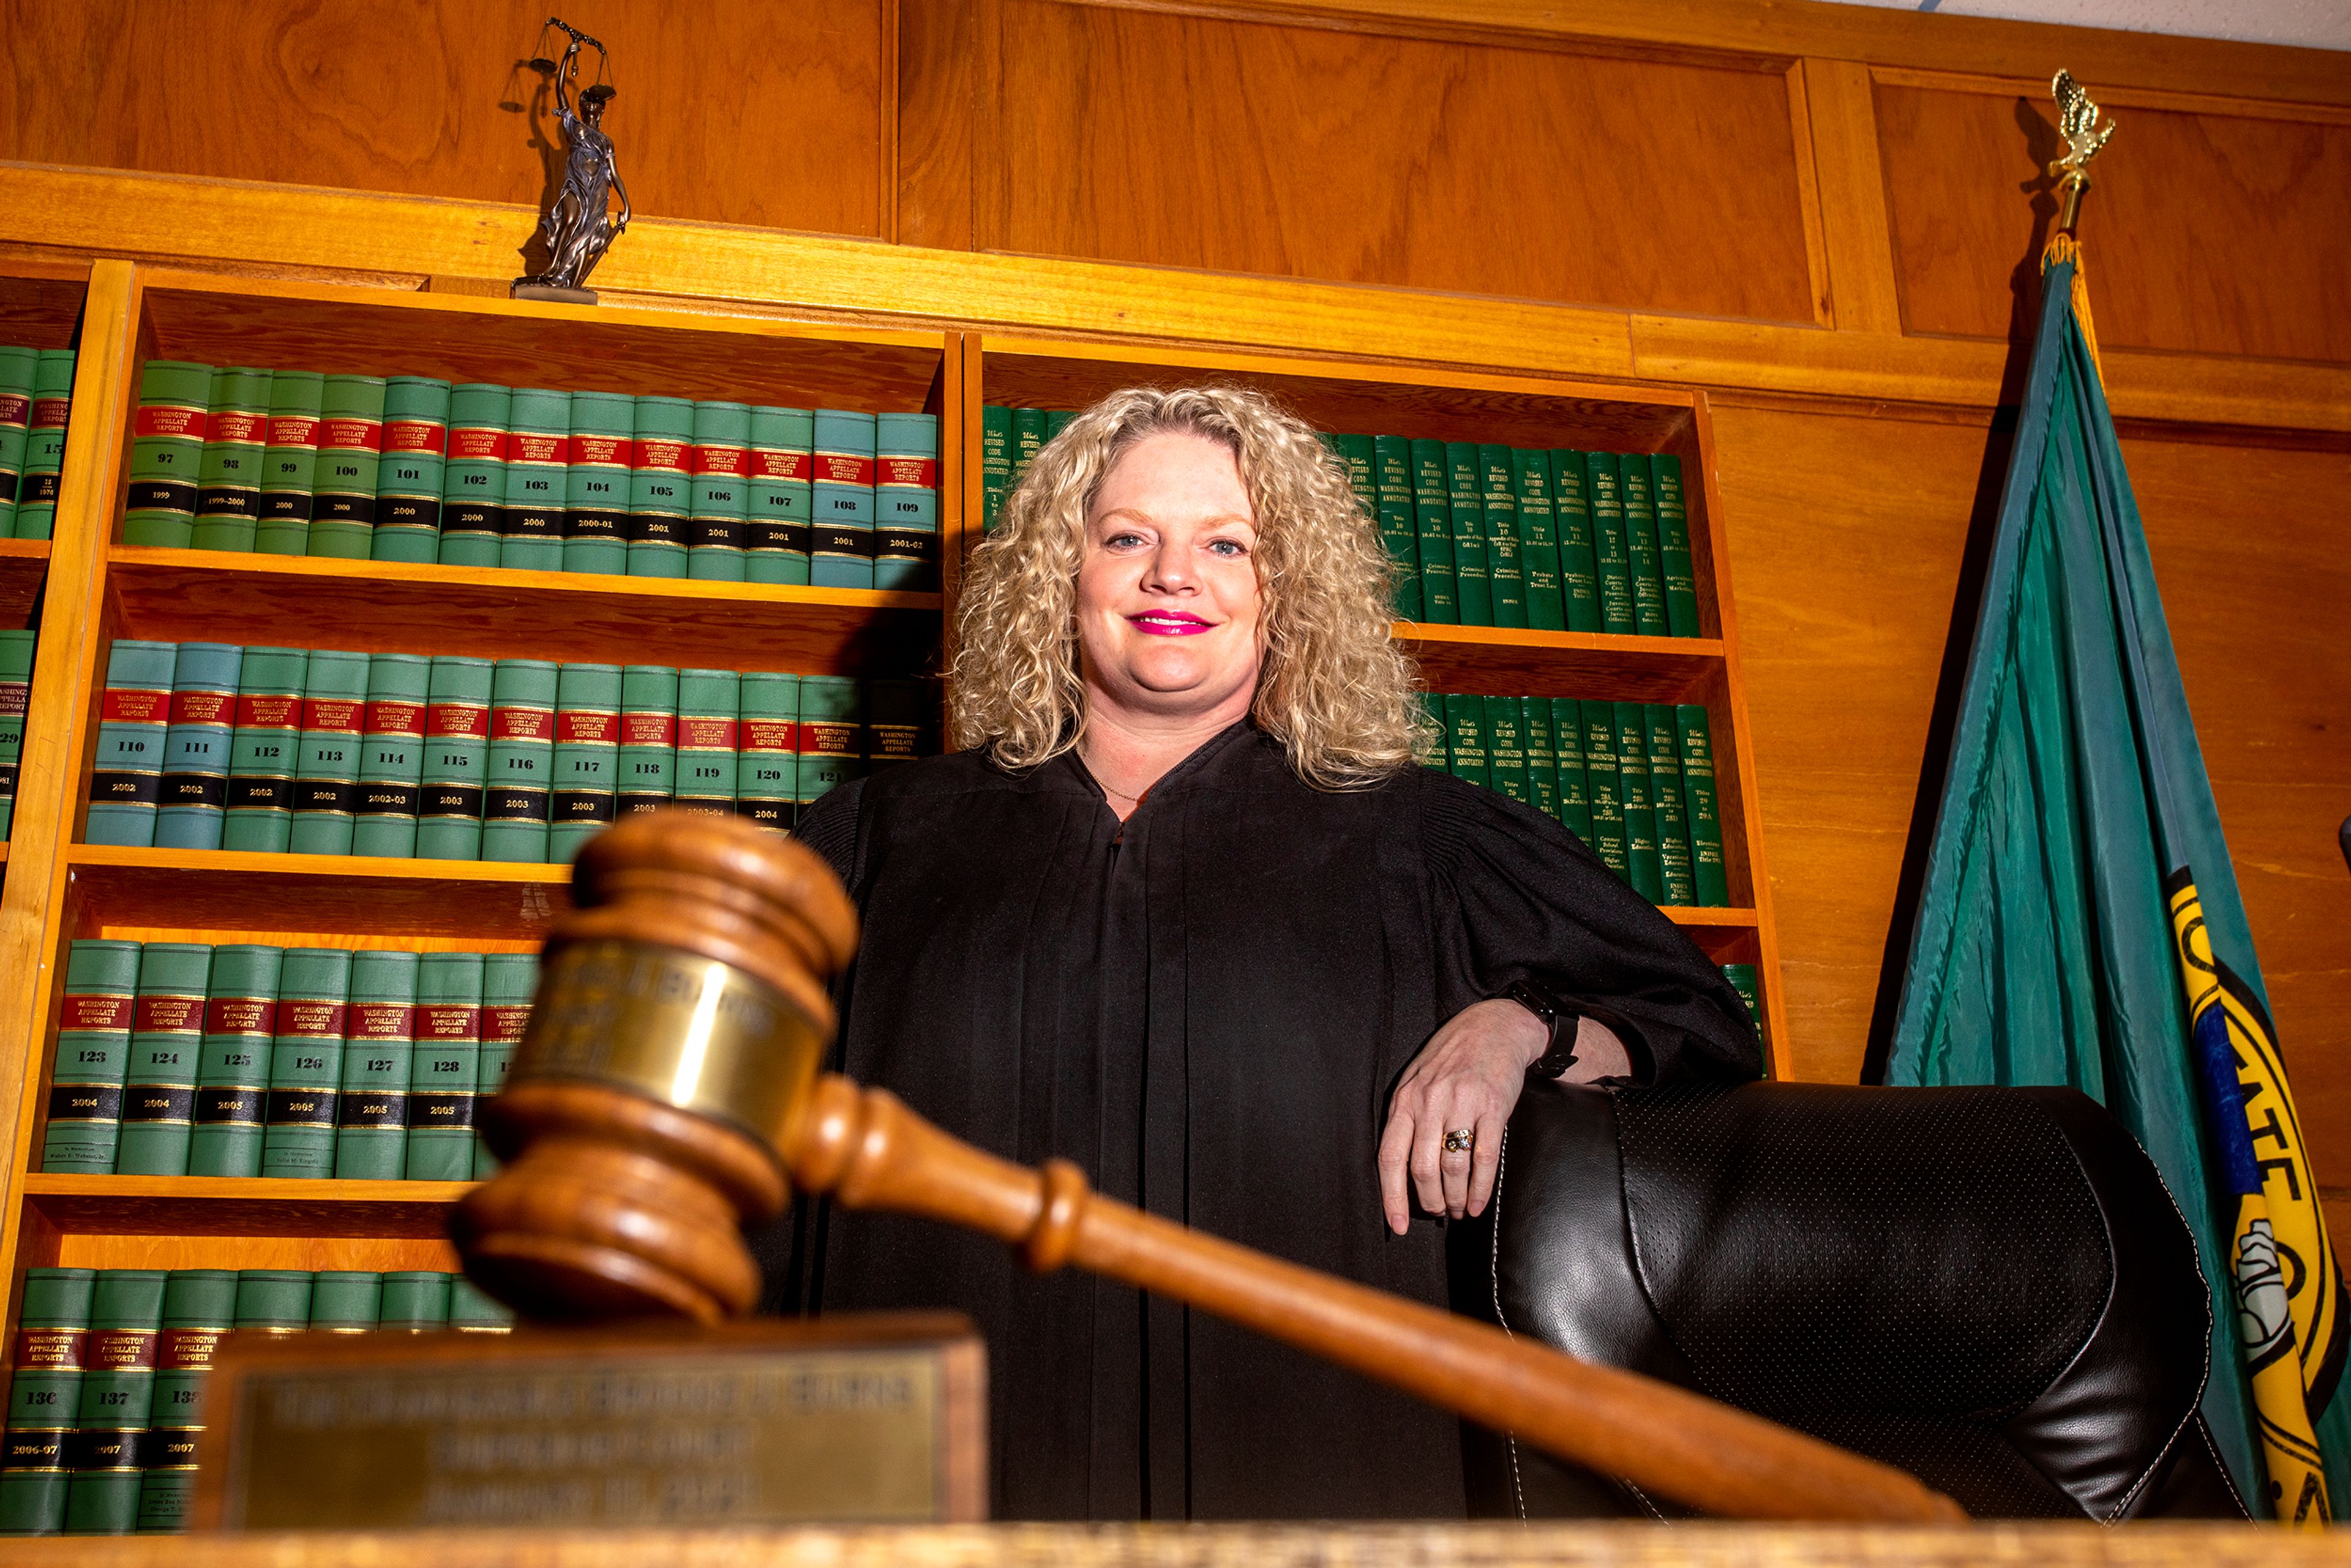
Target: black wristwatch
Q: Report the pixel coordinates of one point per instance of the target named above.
(1559, 1054)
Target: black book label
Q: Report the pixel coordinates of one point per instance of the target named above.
(656, 528)
(508, 804)
(828, 540)
(260, 794)
(440, 1110)
(759, 534)
(534, 522)
(332, 796)
(36, 1449)
(194, 789)
(906, 544)
(407, 512)
(106, 1449)
(581, 806)
(777, 814)
(227, 503)
(281, 505)
(85, 1103)
(126, 789)
(592, 525)
(719, 533)
(450, 800)
(473, 517)
(388, 799)
(372, 1108)
(344, 508)
(40, 488)
(160, 1102)
(7, 485)
(170, 1448)
(231, 1107)
(162, 495)
(640, 805)
(7, 780)
(301, 1107)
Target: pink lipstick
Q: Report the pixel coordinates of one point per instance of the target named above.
(1169, 623)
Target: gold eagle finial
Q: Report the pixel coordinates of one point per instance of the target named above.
(2078, 121)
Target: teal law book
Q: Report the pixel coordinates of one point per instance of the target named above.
(472, 1310)
(351, 460)
(767, 748)
(841, 538)
(272, 1300)
(1399, 528)
(45, 443)
(1028, 441)
(167, 1032)
(233, 1073)
(228, 479)
(719, 502)
(508, 982)
(327, 772)
(84, 1125)
(447, 1062)
(264, 749)
(583, 786)
(1506, 749)
(1543, 755)
(378, 1048)
(1539, 540)
(1644, 871)
(1709, 876)
(105, 1453)
(515, 797)
(906, 502)
(1473, 585)
(53, 1317)
(192, 798)
(413, 475)
(392, 757)
(1667, 795)
(1575, 812)
(413, 1301)
(15, 699)
(709, 713)
(346, 1301)
(1433, 535)
(16, 365)
(450, 794)
(306, 1062)
(289, 463)
(473, 477)
(1604, 485)
(896, 712)
(661, 486)
(1674, 545)
(1499, 494)
(776, 526)
(538, 460)
(1641, 546)
(1603, 789)
(832, 735)
(995, 463)
(648, 756)
(1465, 739)
(1579, 567)
(198, 1309)
(134, 713)
(597, 482)
(167, 453)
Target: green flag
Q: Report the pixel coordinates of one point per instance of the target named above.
(2079, 922)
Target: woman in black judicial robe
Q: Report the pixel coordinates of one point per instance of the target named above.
(1185, 911)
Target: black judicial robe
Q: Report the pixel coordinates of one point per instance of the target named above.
(1207, 1010)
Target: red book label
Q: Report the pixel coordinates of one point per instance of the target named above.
(770, 734)
(91, 1010)
(241, 1015)
(504, 1025)
(237, 426)
(656, 453)
(120, 1350)
(923, 472)
(414, 435)
(521, 723)
(51, 412)
(310, 1019)
(821, 738)
(124, 706)
(481, 444)
(845, 468)
(725, 461)
(167, 1015)
(768, 464)
(267, 710)
(456, 719)
(392, 715)
(448, 1020)
(649, 729)
(15, 409)
(382, 1020)
(581, 727)
(531, 446)
(169, 419)
(351, 435)
(332, 713)
(705, 733)
(187, 1350)
(292, 429)
(600, 451)
(50, 1350)
(203, 707)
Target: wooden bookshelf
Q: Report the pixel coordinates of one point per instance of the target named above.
(23, 565)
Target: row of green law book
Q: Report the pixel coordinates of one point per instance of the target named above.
(105, 1397)
(1742, 980)
(15, 697)
(410, 468)
(36, 401)
(212, 745)
(1632, 780)
(184, 1059)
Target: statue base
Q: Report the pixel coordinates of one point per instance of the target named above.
(523, 289)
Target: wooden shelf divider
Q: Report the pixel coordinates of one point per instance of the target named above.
(238, 890)
(242, 1206)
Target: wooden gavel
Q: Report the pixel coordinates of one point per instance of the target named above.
(668, 1092)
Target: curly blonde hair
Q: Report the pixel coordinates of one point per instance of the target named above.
(1335, 687)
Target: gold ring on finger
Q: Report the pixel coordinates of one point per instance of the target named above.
(1461, 1140)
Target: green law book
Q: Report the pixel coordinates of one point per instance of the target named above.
(709, 713)
(346, 1301)
(127, 778)
(1355, 453)
(474, 479)
(233, 1075)
(379, 1046)
(45, 443)
(648, 756)
(306, 1062)
(1665, 795)
(1709, 874)
(53, 1316)
(587, 757)
(264, 749)
(508, 982)
(472, 1310)
(1399, 528)
(1433, 535)
(199, 1309)
(661, 486)
(720, 497)
(273, 1301)
(895, 716)
(1428, 728)
(995, 462)
(1674, 545)
(17, 366)
(906, 502)
(351, 463)
(191, 798)
(443, 1069)
(1027, 440)
(391, 756)
(1473, 586)
(1579, 570)
(1498, 477)
(1506, 749)
(1543, 755)
(538, 462)
(841, 530)
(412, 473)
(228, 479)
(515, 799)
(456, 760)
(1057, 419)
(106, 1451)
(1538, 540)
(15, 699)
(597, 482)
(1742, 980)
(1465, 737)
(167, 1034)
(1603, 484)
(289, 463)
(776, 529)
(1603, 789)
(768, 764)
(832, 735)
(1640, 810)
(327, 772)
(93, 1058)
(413, 1301)
(167, 453)
(1641, 546)
(1574, 795)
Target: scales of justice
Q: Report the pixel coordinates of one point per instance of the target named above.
(580, 225)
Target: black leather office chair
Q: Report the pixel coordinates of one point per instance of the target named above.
(1990, 1287)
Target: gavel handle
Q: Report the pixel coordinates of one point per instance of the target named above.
(868, 1151)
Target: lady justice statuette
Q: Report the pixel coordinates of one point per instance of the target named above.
(578, 227)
